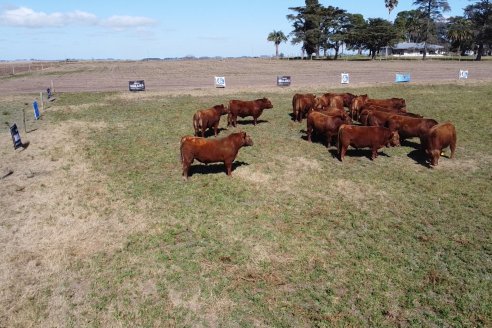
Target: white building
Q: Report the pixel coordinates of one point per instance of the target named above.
(414, 49)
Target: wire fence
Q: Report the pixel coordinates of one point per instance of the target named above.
(18, 68)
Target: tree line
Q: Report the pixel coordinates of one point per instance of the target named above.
(319, 29)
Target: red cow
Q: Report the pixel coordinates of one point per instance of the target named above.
(212, 150)
(247, 108)
(440, 136)
(323, 124)
(357, 104)
(409, 127)
(373, 137)
(208, 118)
(329, 100)
(302, 104)
(381, 118)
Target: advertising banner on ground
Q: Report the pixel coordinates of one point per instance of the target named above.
(138, 85)
(283, 81)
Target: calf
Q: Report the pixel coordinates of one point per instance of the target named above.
(439, 137)
(212, 151)
(247, 108)
(301, 105)
(327, 125)
(208, 118)
(373, 137)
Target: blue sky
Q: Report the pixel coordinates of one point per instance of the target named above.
(137, 29)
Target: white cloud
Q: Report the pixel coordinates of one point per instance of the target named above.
(26, 17)
(127, 21)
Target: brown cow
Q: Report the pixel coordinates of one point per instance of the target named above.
(208, 118)
(373, 137)
(381, 118)
(212, 150)
(329, 100)
(440, 136)
(327, 125)
(357, 104)
(247, 108)
(302, 104)
(409, 127)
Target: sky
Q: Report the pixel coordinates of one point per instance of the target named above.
(90, 29)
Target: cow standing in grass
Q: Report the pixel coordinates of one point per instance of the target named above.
(212, 150)
(247, 108)
(208, 118)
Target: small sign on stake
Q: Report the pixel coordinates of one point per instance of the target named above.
(402, 77)
(345, 78)
(16, 139)
(36, 109)
(136, 85)
(220, 82)
(463, 74)
(283, 81)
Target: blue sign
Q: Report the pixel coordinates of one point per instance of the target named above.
(220, 82)
(402, 77)
(14, 132)
(36, 109)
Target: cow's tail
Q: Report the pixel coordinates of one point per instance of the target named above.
(339, 145)
(195, 124)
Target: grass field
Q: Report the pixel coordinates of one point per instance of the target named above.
(294, 239)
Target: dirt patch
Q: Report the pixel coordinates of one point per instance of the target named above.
(249, 75)
(55, 210)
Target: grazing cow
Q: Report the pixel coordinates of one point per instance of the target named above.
(357, 104)
(329, 100)
(439, 137)
(327, 125)
(409, 127)
(373, 137)
(208, 118)
(302, 104)
(247, 108)
(212, 150)
(381, 118)
(395, 103)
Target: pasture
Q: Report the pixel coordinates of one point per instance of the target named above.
(99, 229)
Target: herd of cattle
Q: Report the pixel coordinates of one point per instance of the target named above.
(380, 123)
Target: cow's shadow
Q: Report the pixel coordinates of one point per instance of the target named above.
(215, 168)
(362, 152)
(210, 132)
(246, 122)
(419, 157)
(410, 143)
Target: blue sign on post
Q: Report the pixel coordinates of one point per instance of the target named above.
(402, 77)
(36, 109)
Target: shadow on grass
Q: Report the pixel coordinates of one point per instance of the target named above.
(419, 157)
(213, 168)
(245, 122)
(412, 144)
(210, 132)
(357, 153)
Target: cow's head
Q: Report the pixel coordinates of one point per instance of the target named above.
(247, 141)
(357, 104)
(434, 155)
(266, 103)
(221, 109)
(394, 139)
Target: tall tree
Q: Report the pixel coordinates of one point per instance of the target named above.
(409, 24)
(334, 25)
(460, 33)
(480, 15)
(355, 35)
(277, 37)
(379, 33)
(307, 26)
(432, 10)
(390, 4)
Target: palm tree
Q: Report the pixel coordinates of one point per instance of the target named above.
(432, 10)
(277, 37)
(390, 4)
(460, 31)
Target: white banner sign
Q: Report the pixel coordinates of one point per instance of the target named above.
(463, 74)
(220, 82)
(345, 78)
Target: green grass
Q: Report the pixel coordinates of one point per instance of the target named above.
(295, 238)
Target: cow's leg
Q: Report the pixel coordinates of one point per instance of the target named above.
(216, 128)
(235, 121)
(254, 120)
(186, 167)
(203, 131)
(228, 165)
(343, 151)
(309, 132)
(452, 146)
(374, 153)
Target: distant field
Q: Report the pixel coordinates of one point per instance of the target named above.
(241, 75)
(99, 229)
